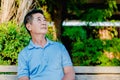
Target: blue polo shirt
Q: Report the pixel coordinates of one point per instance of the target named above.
(43, 63)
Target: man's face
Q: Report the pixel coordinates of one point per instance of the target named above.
(38, 24)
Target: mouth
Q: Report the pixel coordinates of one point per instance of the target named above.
(43, 27)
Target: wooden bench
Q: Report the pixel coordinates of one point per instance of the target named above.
(82, 73)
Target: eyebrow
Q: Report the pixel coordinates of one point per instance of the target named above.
(40, 17)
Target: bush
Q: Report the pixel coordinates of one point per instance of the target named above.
(12, 39)
(89, 51)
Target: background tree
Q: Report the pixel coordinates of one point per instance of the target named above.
(59, 10)
(14, 10)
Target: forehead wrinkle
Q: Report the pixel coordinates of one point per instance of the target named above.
(40, 17)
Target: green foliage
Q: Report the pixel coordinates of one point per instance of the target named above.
(98, 14)
(50, 33)
(94, 15)
(74, 33)
(112, 45)
(112, 7)
(87, 51)
(12, 39)
(105, 61)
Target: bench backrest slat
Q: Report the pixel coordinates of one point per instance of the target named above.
(97, 69)
(8, 68)
(78, 69)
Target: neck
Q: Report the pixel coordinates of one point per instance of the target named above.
(39, 40)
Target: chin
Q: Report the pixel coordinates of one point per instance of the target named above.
(44, 32)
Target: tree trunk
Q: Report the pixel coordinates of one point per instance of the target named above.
(58, 22)
(22, 10)
(58, 15)
(10, 10)
(7, 10)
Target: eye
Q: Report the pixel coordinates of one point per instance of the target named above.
(39, 19)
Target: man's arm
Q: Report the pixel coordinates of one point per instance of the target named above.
(23, 73)
(24, 78)
(69, 73)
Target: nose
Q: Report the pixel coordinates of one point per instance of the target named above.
(44, 22)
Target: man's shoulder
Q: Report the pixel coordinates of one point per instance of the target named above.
(24, 50)
(57, 43)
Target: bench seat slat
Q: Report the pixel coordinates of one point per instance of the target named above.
(8, 77)
(97, 77)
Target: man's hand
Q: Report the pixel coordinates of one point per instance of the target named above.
(24, 78)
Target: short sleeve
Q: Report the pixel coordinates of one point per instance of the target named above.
(22, 66)
(66, 60)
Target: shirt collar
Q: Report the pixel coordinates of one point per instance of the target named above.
(32, 45)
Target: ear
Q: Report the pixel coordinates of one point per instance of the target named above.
(28, 26)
